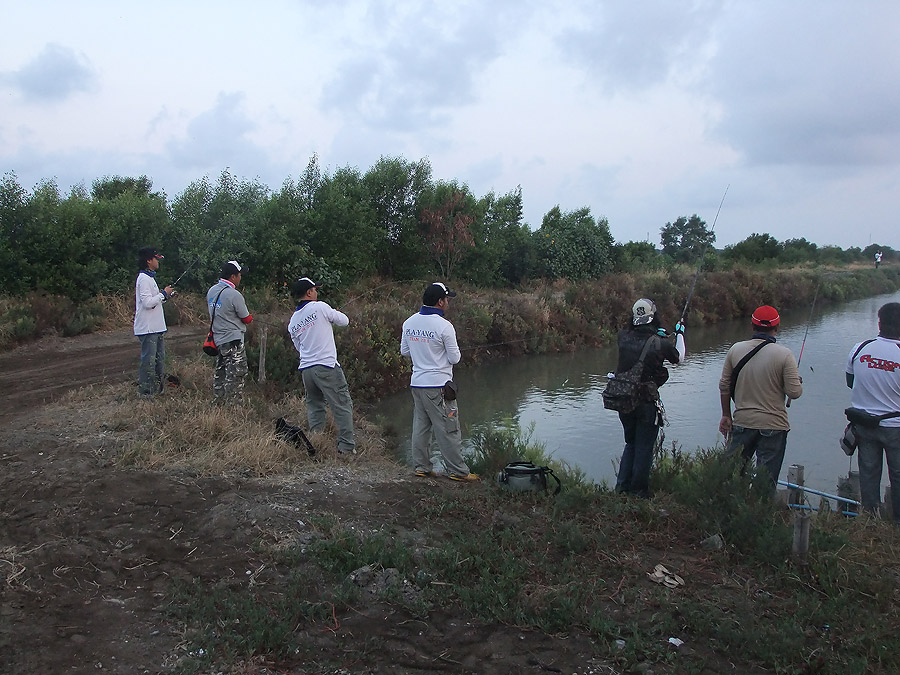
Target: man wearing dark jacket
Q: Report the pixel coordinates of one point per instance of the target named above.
(641, 426)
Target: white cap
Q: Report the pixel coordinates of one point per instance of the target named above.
(643, 312)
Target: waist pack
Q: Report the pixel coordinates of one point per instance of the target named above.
(868, 420)
(450, 390)
(526, 477)
(624, 391)
(209, 345)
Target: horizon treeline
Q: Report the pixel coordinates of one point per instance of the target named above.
(395, 221)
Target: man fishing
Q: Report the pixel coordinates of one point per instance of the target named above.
(758, 374)
(873, 372)
(644, 339)
(429, 340)
(150, 322)
(229, 317)
(311, 331)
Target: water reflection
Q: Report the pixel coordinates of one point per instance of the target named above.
(560, 394)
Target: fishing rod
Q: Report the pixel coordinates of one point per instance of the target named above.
(803, 344)
(198, 258)
(702, 255)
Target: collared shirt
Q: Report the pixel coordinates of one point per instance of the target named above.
(763, 383)
(430, 341)
(876, 378)
(311, 332)
(227, 325)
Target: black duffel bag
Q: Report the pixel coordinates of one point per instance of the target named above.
(867, 420)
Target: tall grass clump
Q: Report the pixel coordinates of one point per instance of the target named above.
(183, 429)
(723, 500)
(495, 446)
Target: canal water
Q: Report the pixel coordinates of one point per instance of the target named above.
(560, 394)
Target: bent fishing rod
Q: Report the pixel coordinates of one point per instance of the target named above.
(702, 256)
(803, 344)
(198, 258)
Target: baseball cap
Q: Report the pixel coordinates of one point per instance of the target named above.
(643, 312)
(149, 252)
(435, 293)
(231, 268)
(302, 285)
(766, 316)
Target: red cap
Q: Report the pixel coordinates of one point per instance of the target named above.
(766, 317)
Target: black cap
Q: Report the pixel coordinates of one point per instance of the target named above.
(149, 252)
(231, 268)
(435, 293)
(302, 285)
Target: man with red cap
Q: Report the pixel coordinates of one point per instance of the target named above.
(758, 374)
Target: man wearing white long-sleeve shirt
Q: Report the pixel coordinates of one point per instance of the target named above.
(311, 331)
(150, 322)
(430, 341)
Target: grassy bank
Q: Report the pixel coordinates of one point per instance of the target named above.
(508, 322)
(574, 566)
(577, 566)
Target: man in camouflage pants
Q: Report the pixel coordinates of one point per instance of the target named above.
(230, 316)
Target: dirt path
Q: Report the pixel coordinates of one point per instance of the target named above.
(89, 552)
(40, 372)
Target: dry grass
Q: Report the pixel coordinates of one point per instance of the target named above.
(182, 429)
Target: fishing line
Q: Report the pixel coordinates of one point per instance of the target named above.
(702, 256)
(803, 344)
(198, 258)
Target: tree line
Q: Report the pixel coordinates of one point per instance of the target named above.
(394, 221)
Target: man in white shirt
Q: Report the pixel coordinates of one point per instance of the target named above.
(150, 322)
(873, 372)
(311, 331)
(430, 341)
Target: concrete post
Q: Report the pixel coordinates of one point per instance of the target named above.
(801, 537)
(262, 354)
(795, 476)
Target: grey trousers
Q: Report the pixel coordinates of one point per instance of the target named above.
(324, 384)
(434, 416)
(875, 446)
(153, 363)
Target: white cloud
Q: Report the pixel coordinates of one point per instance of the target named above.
(54, 75)
(643, 112)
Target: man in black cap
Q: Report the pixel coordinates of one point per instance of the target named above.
(873, 372)
(150, 322)
(430, 341)
(311, 331)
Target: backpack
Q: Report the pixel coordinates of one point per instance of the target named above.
(624, 391)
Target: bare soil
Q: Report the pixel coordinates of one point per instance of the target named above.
(89, 552)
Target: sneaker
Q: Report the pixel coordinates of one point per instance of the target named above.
(421, 473)
(471, 477)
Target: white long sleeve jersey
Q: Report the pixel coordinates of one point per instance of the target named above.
(148, 309)
(430, 341)
(312, 335)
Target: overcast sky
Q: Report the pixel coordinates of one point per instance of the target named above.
(642, 111)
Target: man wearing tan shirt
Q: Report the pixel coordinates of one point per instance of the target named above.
(759, 384)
